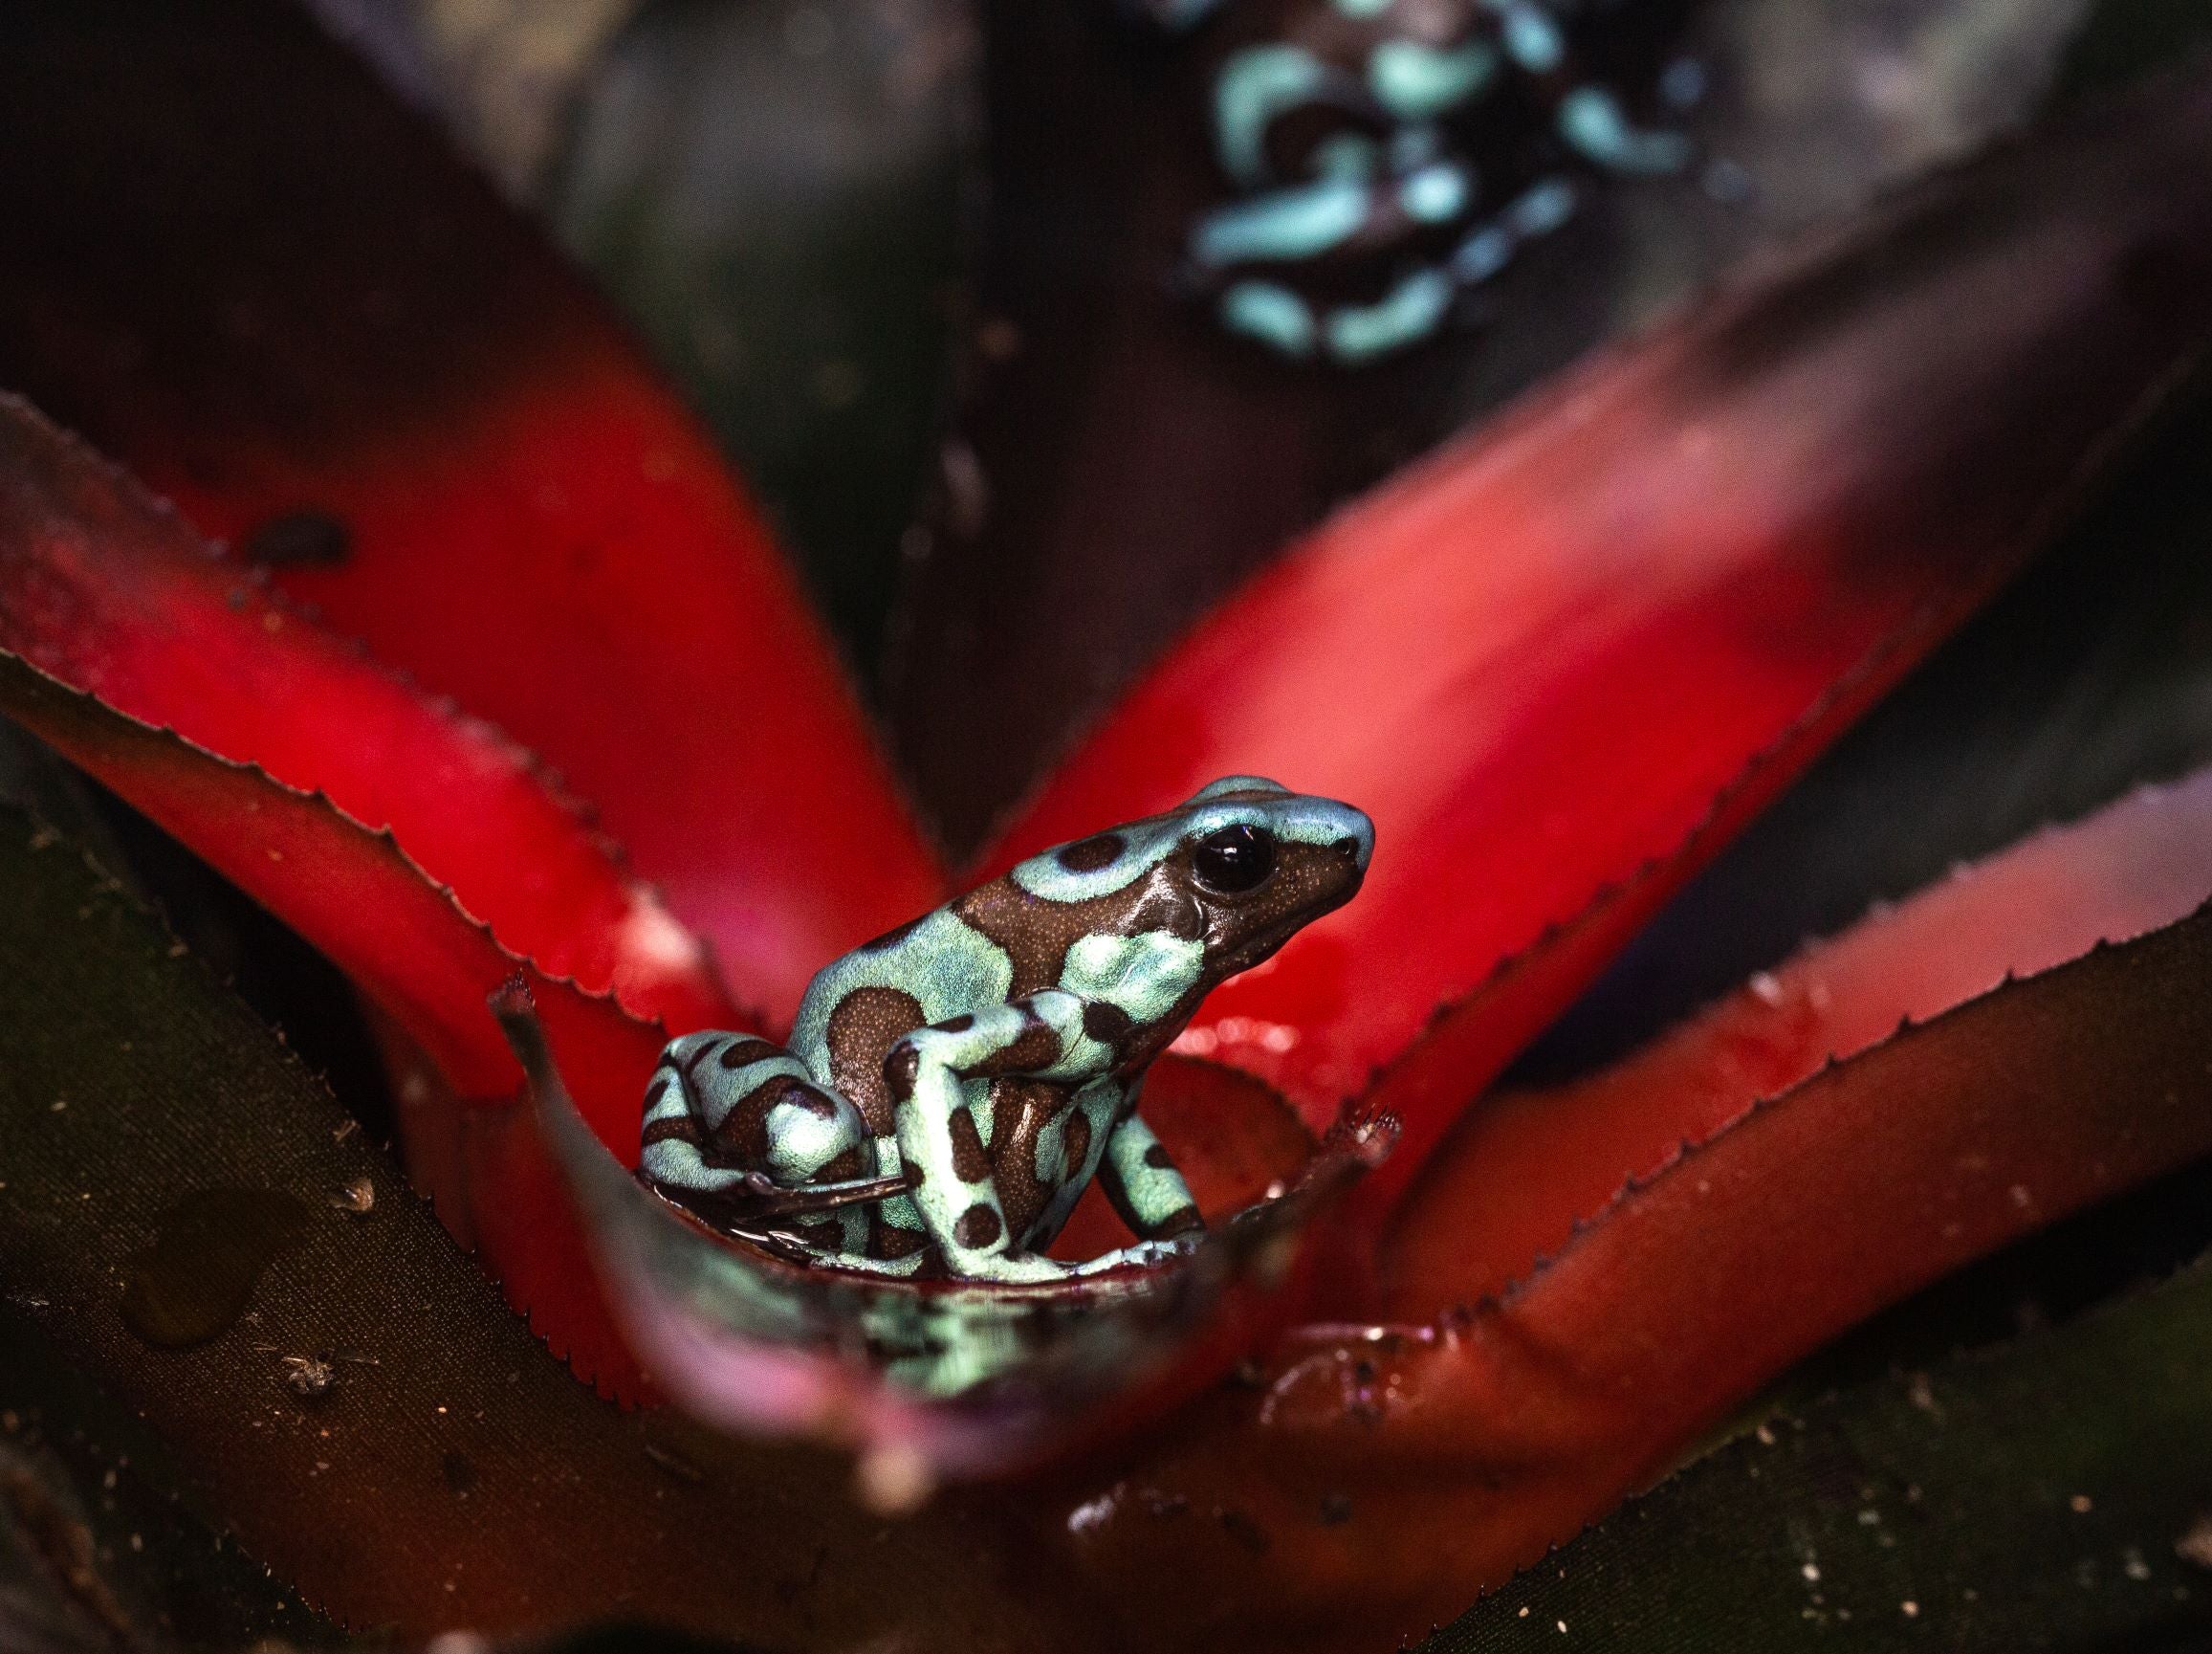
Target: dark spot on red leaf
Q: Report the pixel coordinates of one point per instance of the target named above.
(313, 539)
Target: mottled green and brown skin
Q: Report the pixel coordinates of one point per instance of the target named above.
(989, 1054)
(1387, 155)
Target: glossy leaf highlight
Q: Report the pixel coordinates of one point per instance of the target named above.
(105, 590)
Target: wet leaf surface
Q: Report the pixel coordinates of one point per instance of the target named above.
(413, 952)
(102, 1472)
(1999, 1502)
(1464, 1447)
(194, 1279)
(451, 1473)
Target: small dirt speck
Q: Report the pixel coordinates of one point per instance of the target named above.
(308, 1377)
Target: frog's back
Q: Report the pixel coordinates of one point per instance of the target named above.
(859, 1006)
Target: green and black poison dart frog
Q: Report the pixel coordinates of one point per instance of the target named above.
(953, 1087)
(1387, 155)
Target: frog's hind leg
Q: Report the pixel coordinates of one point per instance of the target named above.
(724, 1111)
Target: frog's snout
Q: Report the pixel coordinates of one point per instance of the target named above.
(1357, 844)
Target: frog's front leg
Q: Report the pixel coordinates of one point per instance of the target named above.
(947, 1166)
(1143, 1185)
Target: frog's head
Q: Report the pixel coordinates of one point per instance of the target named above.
(1238, 869)
(1262, 862)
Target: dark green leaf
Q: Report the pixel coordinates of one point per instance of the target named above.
(87, 1486)
(2123, 38)
(2002, 1502)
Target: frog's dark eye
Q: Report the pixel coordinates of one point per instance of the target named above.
(1234, 859)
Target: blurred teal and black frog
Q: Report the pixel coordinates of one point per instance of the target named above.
(952, 1088)
(1386, 156)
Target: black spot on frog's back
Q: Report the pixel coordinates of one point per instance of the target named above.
(970, 1159)
(1108, 1024)
(743, 1053)
(1089, 855)
(978, 1226)
(862, 1030)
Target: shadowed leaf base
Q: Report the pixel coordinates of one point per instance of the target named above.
(450, 1472)
(1999, 1502)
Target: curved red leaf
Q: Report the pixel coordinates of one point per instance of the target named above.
(410, 948)
(1560, 663)
(1370, 1481)
(235, 262)
(1524, 1169)
(107, 592)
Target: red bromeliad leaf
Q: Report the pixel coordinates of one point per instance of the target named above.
(1371, 1480)
(1524, 1169)
(238, 265)
(106, 590)
(419, 958)
(97, 583)
(1560, 663)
